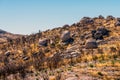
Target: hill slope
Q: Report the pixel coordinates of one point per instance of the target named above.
(87, 50)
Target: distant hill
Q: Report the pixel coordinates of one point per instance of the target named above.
(2, 31)
(4, 36)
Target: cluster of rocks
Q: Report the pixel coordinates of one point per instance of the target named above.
(87, 20)
(65, 38)
(91, 38)
(110, 17)
(9, 57)
(6, 57)
(99, 33)
(96, 35)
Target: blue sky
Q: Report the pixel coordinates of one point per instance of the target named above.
(29, 16)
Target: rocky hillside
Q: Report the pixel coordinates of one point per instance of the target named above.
(5, 36)
(86, 50)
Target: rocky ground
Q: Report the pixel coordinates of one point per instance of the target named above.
(87, 50)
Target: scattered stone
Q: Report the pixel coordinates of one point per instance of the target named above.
(91, 44)
(26, 58)
(7, 53)
(43, 42)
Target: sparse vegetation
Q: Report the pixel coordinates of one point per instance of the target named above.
(69, 50)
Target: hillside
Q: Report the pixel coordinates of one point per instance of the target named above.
(86, 50)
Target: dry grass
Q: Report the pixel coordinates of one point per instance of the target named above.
(35, 62)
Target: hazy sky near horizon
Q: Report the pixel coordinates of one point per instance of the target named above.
(30, 16)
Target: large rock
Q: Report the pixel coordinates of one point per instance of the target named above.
(65, 36)
(43, 42)
(91, 44)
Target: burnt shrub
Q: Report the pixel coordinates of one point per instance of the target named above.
(38, 60)
(53, 62)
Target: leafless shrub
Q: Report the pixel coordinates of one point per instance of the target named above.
(45, 77)
(38, 60)
(53, 62)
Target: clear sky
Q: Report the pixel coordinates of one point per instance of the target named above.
(29, 16)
